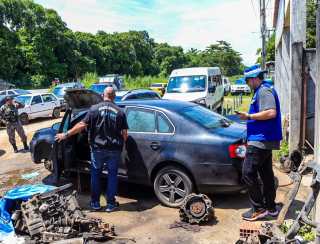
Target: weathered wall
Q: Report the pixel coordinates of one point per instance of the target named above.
(282, 72)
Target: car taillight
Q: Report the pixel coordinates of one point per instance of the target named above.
(237, 151)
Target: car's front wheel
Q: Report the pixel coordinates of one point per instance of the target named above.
(24, 118)
(56, 113)
(172, 185)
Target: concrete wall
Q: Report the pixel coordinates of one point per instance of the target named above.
(282, 72)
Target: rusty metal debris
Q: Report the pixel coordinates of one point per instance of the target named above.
(55, 216)
(186, 226)
(196, 209)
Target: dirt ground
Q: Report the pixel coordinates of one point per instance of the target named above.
(140, 215)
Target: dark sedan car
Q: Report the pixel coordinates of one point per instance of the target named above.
(178, 147)
(136, 94)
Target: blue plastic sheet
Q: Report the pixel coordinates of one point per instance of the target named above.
(8, 204)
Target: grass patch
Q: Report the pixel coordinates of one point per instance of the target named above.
(305, 231)
(142, 81)
(244, 107)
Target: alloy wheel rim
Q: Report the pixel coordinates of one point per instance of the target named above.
(172, 187)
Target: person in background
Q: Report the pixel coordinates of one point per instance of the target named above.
(264, 134)
(107, 129)
(9, 114)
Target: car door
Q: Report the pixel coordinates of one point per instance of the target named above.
(145, 143)
(37, 107)
(49, 104)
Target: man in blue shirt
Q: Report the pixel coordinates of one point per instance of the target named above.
(263, 135)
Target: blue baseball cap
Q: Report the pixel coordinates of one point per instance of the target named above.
(253, 71)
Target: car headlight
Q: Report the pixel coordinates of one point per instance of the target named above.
(201, 101)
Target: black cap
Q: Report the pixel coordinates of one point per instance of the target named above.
(8, 98)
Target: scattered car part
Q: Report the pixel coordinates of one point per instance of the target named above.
(56, 215)
(196, 209)
(186, 226)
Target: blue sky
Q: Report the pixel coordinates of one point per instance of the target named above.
(187, 23)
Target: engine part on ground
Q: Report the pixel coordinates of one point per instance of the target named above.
(55, 216)
(186, 226)
(196, 209)
(291, 162)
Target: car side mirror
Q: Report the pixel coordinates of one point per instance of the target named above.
(56, 126)
(212, 89)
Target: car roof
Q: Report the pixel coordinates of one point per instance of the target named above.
(170, 105)
(134, 91)
(67, 84)
(36, 94)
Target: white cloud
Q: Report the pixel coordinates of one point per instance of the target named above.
(188, 23)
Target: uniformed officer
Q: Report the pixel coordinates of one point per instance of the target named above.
(9, 114)
(107, 129)
(263, 135)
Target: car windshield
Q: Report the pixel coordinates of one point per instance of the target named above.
(205, 117)
(22, 92)
(99, 88)
(23, 99)
(187, 84)
(60, 91)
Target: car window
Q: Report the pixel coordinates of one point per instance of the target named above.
(48, 98)
(140, 120)
(11, 93)
(3, 93)
(204, 117)
(36, 100)
(164, 125)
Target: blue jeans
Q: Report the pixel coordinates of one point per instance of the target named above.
(100, 157)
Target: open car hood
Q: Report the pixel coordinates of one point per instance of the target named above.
(81, 98)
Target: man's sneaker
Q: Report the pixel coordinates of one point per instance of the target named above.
(95, 206)
(112, 207)
(253, 215)
(273, 212)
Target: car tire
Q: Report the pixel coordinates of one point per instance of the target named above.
(24, 118)
(56, 113)
(172, 185)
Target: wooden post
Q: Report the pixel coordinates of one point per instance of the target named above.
(317, 111)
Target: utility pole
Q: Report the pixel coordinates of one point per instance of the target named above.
(263, 27)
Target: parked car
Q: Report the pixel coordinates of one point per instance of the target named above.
(99, 87)
(176, 147)
(239, 87)
(159, 87)
(226, 85)
(136, 94)
(113, 78)
(38, 105)
(14, 92)
(201, 85)
(60, 90)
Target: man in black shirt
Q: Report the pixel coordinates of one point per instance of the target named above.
(107, 128)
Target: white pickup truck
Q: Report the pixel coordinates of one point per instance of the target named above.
(240, 87)
(38, 105)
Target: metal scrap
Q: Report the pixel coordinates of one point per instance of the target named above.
(55, 216)
(196, 209)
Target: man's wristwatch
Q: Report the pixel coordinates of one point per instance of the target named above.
(66, 135)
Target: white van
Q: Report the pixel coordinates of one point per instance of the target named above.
(201, 85)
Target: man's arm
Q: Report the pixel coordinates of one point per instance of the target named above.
(73, 131)
(263, 115)
(267, 106)
(124, 135)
